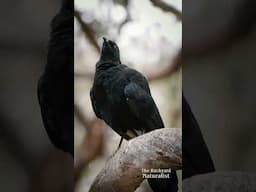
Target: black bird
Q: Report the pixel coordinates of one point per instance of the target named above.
(56, 85)
(195, 154)
(121, 97)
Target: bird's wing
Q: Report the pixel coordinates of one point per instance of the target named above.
(196, 157)
(48, 112)
(55, 104)
(138, 78)
(55, 87)
(94, 104)
(142, 105)
(100, 103)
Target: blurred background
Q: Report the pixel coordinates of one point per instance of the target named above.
(218, 41)
(28, 161)
(148, 34)
(218, 44)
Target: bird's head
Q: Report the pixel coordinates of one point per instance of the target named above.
(110, 51)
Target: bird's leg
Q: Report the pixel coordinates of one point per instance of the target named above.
(120, 143)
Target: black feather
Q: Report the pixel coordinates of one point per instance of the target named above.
(195, 154)
(56, 85)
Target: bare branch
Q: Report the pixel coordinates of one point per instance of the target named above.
(167, 8)
(91, 148)
(152, 74)
(86, 122)
(93, 142)
(128, 16)
(87, 75)
(157, 149)
(174, 65)
(221, 181)
(88, 31)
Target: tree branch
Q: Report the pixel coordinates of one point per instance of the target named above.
(167, 8)
(88, 31)
(174, 65)
(85, 121)
(93, 141)
(221, 181)
(157, 149)
(152, 73)
(85, 75)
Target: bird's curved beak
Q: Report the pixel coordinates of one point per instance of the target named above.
(104, 42)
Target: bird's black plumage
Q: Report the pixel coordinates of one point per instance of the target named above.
(121, 97)
(56, 85)
(195, 154)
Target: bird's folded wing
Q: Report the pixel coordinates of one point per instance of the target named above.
(47, 112)
(142, 105)
(94, 104)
